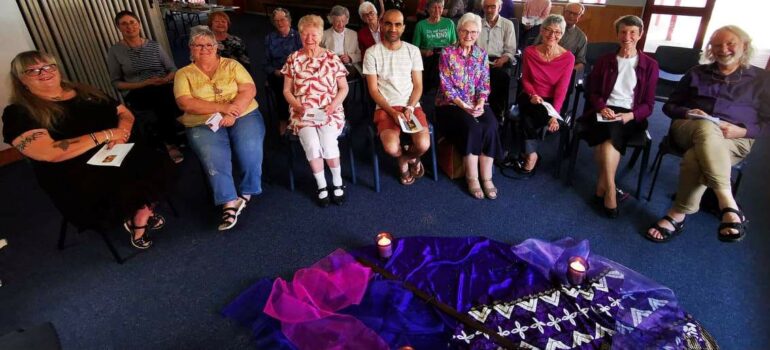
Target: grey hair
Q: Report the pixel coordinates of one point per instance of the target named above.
(364, 7)
(201, 31)
(469, 17)
(280, 9)
(582, 8)
(549, 21)
(629, 21)
(431, 2)
(338, 11)
(708, 56)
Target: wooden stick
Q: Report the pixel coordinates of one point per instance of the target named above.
(430, 299)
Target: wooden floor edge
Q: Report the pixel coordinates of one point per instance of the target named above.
(9, 155)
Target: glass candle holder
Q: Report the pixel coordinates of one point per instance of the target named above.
(576, 270)
(384, 243)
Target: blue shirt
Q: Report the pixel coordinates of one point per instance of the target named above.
(741, 98)
(278, 48)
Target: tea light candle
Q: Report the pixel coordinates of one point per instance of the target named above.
(576, 271)
(384, 242)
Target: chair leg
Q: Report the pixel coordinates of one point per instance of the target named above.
(573, 159)
(353, 177)
(433, 155)
(659, 159)
(737, 183)
(62, 234)
(645, 159)
(375, 160)
(291, 165)
(118, 258)
(634, 158)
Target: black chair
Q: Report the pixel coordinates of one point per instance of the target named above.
(376, 145)
(120, 259)
(593, 52)
(667, 146)
(673, 62)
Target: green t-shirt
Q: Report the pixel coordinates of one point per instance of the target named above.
(429, 36)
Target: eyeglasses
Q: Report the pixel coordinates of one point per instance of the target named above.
(573, 13)
(204, 46)
(34, 72)
(370, 13)
(547, 31)
(469, 32)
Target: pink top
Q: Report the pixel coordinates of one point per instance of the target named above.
(539, 8)
(547, 79)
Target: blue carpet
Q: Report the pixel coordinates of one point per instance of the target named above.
(170, 296)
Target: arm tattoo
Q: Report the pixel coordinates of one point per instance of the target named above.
(64, 144)
(27, 140)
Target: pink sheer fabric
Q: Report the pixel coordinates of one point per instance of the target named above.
(306, 307)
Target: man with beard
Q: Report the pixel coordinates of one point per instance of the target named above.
(736, 93)
(393, 71)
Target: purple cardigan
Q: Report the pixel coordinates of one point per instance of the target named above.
(604, 75)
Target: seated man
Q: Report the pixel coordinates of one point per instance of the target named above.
(498, 38)
(574, 39)
(393, 71)
(736, 93)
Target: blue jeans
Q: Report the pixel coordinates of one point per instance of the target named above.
(244, 140)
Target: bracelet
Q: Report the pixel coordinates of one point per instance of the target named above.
(93, 138)
(111, 135)
(106, 136)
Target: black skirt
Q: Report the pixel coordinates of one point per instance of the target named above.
(595, 132)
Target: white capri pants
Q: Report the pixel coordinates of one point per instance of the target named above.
(320, 142)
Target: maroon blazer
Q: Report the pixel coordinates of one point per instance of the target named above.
(602, 80)
(365, 39)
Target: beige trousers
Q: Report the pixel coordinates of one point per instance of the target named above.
(707, 160)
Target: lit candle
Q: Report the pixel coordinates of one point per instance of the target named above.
(576, 272)
(384, 244)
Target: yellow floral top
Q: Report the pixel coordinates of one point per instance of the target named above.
(222, 88)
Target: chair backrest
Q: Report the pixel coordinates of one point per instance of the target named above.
(676, 60)
(596, 50)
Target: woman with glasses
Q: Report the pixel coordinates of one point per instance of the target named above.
(144, 73)
(278, 45)
(60, 126)
(546, 73)
(622, 92)
(316, 84)
(230, 46)
(369, 34)
(342, 41)
(221, 118)
(460, 104)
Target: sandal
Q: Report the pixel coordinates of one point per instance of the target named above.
(156, 222)
(323, 202)
(489, 191)
(338, 200)
(728, 236)
(417, 169)
(230, 215)
(142, 242)
(665, 233)
(474, 188)
(407, 178)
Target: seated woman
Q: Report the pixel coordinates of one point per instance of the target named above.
(230, 46)
(369, 34)
(730, 89)
(143, 73)
(220, 88)
(60, 126)
(379, 5)
(342, 41)
(430, 36)
(546, 73)
(622, 90)
(315, 78)
(278, 45)
(471, 126)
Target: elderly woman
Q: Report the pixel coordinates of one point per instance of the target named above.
(736, 93)
(430, 36)
(221, 118)
(278, 45)
(471, 126)
(369, 34)
(547, 68)
(230, 46)
(314, 82)
(342, 41)
(374, 3)
(622, 92)
(60, 126)
(143, 73)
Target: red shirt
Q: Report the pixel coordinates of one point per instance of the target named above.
(547, 79)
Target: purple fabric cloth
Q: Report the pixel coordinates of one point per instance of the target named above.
(602, 80)
(741, 98)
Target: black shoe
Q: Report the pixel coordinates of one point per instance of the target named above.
(611, 212)
(323, 202)
(338, 200)
(519, 168)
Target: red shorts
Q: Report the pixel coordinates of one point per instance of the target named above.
(384, 121)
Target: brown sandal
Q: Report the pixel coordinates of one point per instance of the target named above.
(474, 188)
(407, 178)
(489, 191)
(417, 169)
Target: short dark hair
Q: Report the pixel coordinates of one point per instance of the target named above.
(125, 13)
(629, 21)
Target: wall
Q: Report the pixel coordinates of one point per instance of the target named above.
(15, 39)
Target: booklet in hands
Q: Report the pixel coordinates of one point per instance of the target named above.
(410, 126)
(601, 119)
(213, 121)
(712, 119)
(314, 115)
(111, 157)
